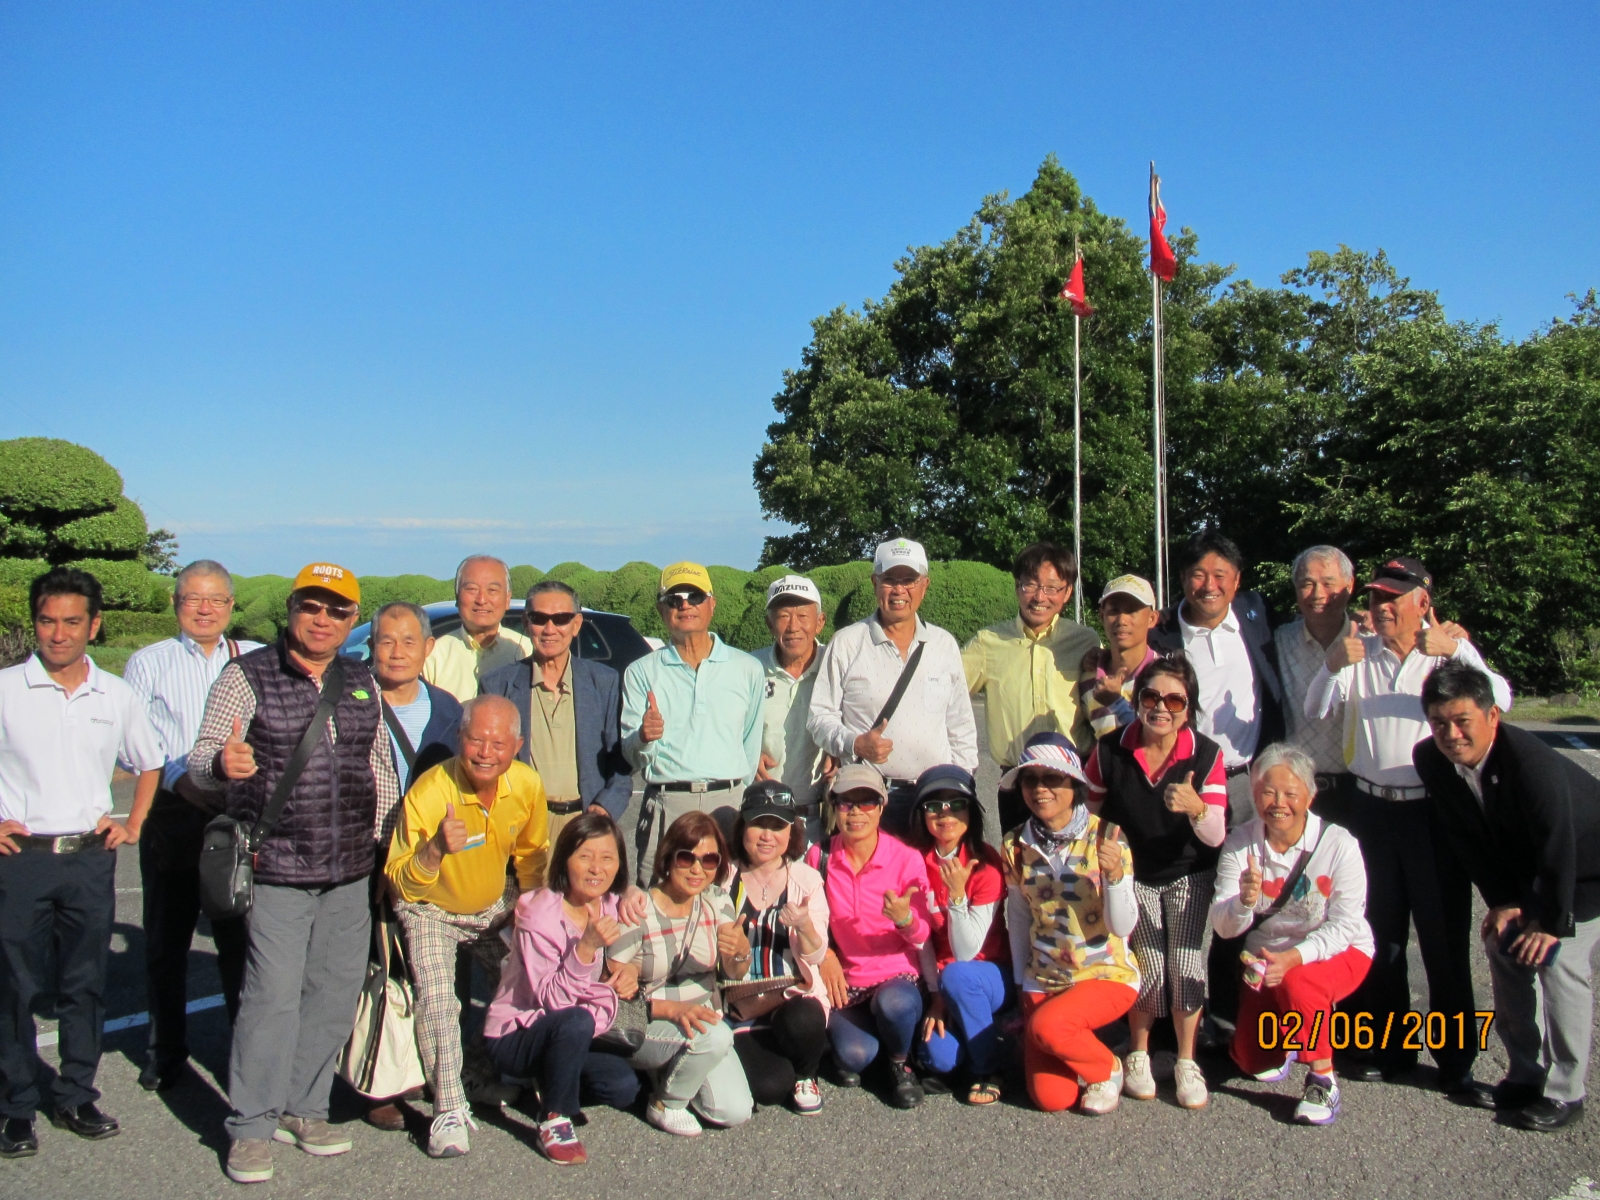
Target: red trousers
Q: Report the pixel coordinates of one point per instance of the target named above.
(1059, 1045)
(1311, 991)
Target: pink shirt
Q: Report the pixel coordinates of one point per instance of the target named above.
(870, 948)
(543, 972)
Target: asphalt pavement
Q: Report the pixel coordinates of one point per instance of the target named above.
(1393, 1140)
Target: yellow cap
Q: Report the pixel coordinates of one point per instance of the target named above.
(685, 574)
(330, 578)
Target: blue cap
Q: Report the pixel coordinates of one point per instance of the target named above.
(947, 778)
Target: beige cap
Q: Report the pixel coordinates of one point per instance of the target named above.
(859, 775)
(1131, 585)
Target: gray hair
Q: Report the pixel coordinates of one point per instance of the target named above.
(477, 558)
(398, 606)
(202, 566)
(548, 587)
(493, 701)
(1287, 755)
(1314, 554)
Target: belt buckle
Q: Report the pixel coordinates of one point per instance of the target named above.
(697, 785)
(1389, 793)
(58, 844)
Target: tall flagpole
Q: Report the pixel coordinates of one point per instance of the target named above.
(1158, 425)
(1077, 457)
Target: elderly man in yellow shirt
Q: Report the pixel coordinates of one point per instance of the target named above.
(480, 644)
(462, 822)
(1027, 668)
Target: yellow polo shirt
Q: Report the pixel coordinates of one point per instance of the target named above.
(1029, 681)
(458, 662)
(516, 827)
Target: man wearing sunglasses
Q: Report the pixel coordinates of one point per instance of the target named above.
(932, 723)
(570, 709)
(462, 657)
(691, 715)
(309, 924)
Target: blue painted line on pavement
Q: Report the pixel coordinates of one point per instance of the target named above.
(133, 1020)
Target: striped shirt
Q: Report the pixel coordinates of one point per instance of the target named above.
(171, 679)
(657, 941)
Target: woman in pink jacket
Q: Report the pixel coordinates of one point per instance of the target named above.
(552, 999)
(780, 1033)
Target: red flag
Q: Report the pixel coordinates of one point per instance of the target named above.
(1163, 262)
(1072, 291)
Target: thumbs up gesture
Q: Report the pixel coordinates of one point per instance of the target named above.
(652, 728)
(955, 875)
(897, 907)
(1108, 848)
(1250, 882)
(796, 917)
(451, 835)
(1182, 798)
(1345, 652)
(732, 941)
(238, 755)
(600, 932)
(873, 747)
(1434, 639)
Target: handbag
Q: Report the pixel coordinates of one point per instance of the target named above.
(626, 1034)
(227, 852)
(752, 998)
(380, 1059)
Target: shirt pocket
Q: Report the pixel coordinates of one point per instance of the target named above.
(936, 691)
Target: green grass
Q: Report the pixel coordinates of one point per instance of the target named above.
(1539, 708)
(111, 658)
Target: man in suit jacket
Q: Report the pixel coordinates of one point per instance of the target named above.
(571, 710)
(1524, 823)
(1228, 638)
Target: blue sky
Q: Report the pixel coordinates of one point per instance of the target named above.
(389, 283)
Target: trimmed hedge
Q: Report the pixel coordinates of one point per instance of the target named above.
(52, 476)
(137, 628)
(13, 608)
(121, 531)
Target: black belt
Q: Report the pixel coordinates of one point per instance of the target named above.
(1328, 781)
(698, 785)
(66, 843)
(1239, 770)
(1389, 792)
(563, 808)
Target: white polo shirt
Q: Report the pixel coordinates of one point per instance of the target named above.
(57, 752)
(1230, 696)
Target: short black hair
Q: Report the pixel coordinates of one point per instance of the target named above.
(795, 848)
(1209, 541)
(1178, 666)
(547, 587)
(1458, 681)
(573, 834)
(65, 581)
(1037, 555)
(973, 839)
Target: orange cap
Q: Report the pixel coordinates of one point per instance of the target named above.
(330, 578)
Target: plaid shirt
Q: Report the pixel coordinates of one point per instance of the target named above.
(231, 696)
(656, 943)
(1299, 657)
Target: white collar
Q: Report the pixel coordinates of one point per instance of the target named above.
(35, 675)
(1229, 622)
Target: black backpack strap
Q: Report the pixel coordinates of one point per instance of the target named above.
(332, 690)
(1296, 873)
(823, 852)
(398, 733)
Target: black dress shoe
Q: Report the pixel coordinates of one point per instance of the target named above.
(1509, 1097)
(1359, 1069)
(86, 1121)
(905, 1091)
(17, 1139)
(1546, 1116)
(1467, 1091)
(842, 1076)
(157, 1078)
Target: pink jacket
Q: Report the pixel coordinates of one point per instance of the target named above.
(870, 948)
(804, 885)
(542, 973)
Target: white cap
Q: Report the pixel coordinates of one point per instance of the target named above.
(793, 585)
(900, 552)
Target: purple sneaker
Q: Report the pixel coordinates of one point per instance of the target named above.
(1320, 1103)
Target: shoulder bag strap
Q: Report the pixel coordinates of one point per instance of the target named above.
(233, 649)
(332, 689)
(398, 733)
(900, 686)
(1296, 872)
(689, 931)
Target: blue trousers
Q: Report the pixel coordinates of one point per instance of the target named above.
(973, 993)
(887, 1022)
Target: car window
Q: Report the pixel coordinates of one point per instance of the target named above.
(592, 643)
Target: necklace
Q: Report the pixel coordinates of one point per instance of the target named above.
(766, 884)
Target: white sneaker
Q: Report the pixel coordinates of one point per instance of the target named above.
(1191, 1082)
(679, 1121)
(1101, 1098)
(1275, 1074)
(807, 1096)
(1320, 1104)
(447, 1136)
(1138, 1083)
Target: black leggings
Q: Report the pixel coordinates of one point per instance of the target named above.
(773, 1058)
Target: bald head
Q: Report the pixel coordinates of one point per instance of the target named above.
(489, 711)
(491, 735)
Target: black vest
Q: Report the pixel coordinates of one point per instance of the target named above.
(325, 835)
(1164, 845)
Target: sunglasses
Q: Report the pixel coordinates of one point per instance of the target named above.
(560, 620)
(1173, 702)
(685, 859)
(846, 804)
(315, 608)
(938, 808)
(1050, 781)
(692, 598)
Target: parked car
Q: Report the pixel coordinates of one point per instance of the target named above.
(605, 637)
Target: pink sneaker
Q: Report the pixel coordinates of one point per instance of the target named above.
(560, 1144)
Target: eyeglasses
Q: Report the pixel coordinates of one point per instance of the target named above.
(898, 585)
(685, 860)
(939, 808)
(1039, 589)
(846, 804)
(1050, 781)
(315, 608)
(692, 598)
(194, 603)
(1173, 702)
(560, 620)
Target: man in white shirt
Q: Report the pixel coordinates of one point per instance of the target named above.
(932, 723)
(788, 751)
(64, 725)
(480, 644)
(171, 678)
(1374, 682)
